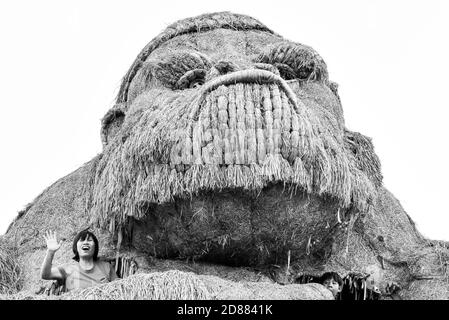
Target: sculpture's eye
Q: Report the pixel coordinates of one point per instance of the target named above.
(306, 72)
(191, 79)
(294, 62)
(285, 71)
(196, 83)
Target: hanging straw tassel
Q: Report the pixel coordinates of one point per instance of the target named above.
(261, 151)
(218, 127)
(268, 119)
(239, 90)
(286, 129)
(309, 245)
(214, 111)
(240, 127)
(287, 272)
(240, 150)
(295, 137)
(222, 104)
(259, 125)
(196, 143)
(350, 226)
(277, 116)
(119, 243)
(232, 108)
(364, 289)
(250, 124)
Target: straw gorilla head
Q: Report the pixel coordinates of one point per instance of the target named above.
(223, 112)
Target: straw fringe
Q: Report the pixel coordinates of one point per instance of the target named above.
(169, 285)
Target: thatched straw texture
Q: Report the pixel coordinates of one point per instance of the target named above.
(202, 23)
(10, 271)
(363, 150)
(386, 242)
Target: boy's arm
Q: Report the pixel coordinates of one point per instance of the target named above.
(47, 271)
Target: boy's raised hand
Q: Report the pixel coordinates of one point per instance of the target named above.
(52, 242)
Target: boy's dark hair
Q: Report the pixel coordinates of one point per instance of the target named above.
(332, 275)
(83, 235)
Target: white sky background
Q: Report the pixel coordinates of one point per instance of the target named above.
(61, 63)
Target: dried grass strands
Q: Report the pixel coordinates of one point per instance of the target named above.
(259, 122)
(277, 116)
(276, 168)
(240, 126)
(286, 128)
(250, 126)
(10, 272)
(231, 134)
(363, 150)
(267, 110)
(169, 285)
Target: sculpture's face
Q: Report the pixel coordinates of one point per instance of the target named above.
(227, 97)
(253, 64)
(230, 110)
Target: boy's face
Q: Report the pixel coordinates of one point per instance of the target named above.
(332, 285)
(86, 247)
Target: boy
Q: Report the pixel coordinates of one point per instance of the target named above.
(333, 282)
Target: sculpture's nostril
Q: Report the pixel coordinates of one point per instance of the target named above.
(224, 67)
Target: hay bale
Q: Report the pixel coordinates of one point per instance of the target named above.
(177, 285)
(170, 285)
(10, 270)
(264, 291)
(26, 295)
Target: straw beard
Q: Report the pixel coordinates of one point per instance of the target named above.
(239, 129)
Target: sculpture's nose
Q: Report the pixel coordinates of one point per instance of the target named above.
(224, 67)
(221, 68)
(252, 75)
(267, 67)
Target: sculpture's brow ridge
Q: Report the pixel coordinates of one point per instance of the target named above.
(202, 23)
